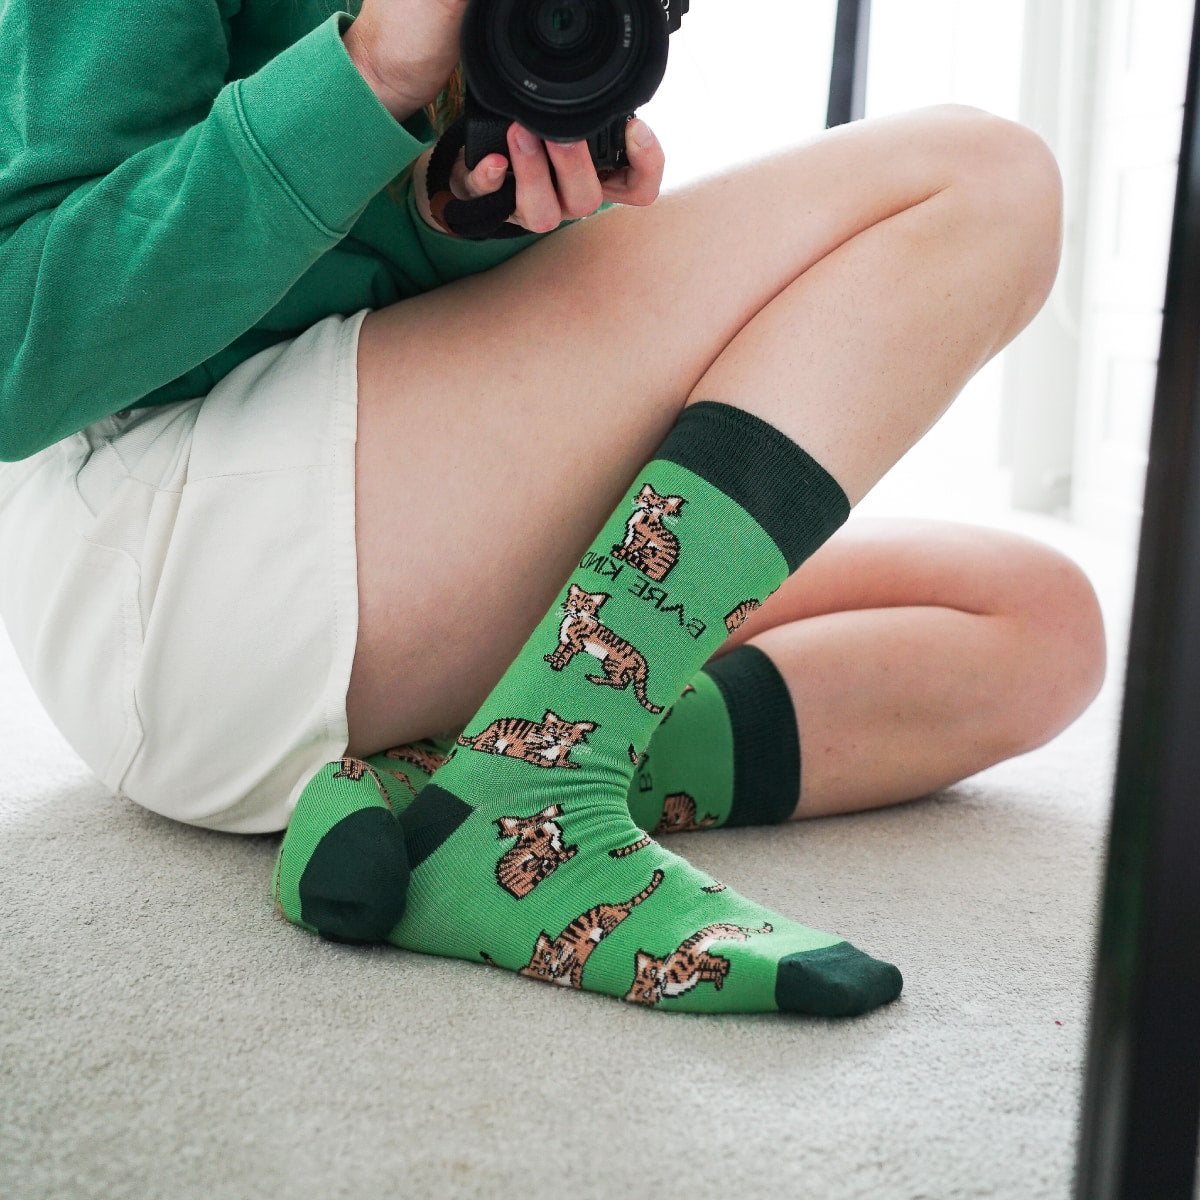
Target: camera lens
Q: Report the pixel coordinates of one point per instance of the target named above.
(566, 41)
(566, 69)
(565, 52)
(562, 25)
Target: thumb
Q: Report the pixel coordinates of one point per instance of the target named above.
(639, 138)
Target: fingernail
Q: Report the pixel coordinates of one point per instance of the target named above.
(495, 170)
(526, 140)
(640, 135)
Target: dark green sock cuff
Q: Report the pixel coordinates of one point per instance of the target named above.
(766, 745)
(783, 488)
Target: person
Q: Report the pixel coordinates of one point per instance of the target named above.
(454, 553)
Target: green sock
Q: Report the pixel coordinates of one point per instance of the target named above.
(726, 754)
(342, 867)
(521, 848)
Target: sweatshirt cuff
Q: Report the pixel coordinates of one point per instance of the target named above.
(322, 131)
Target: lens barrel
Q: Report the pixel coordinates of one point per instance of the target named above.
(564, 68)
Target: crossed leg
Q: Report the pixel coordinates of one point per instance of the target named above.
(920, 652)
(843, 290)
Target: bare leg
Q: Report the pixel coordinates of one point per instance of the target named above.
(920, 652)
(844, 291)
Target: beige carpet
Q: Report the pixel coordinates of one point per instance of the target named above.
(164, 1034)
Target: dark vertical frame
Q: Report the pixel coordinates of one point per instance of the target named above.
(1141, 1101)
(848, 77)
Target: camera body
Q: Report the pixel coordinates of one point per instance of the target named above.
(568, 70)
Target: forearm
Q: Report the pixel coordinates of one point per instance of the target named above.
(125, 282)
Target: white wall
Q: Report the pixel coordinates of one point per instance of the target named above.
(933, 51)
(747, 78)
(742, 79)
(1136, 127)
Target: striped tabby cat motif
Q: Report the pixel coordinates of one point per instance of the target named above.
(543, 744)
(649, 546)
(679, 815)
(582, 633)
(539, 850)
(355, 769)
(562, 960)
(422, 755)
(425, 757)
(737, 618)
(657, 979)
(632, 848)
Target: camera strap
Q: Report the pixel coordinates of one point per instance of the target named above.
(486, 217)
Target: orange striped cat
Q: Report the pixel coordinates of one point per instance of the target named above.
(538, 852)
(562, 960)
(677, 973)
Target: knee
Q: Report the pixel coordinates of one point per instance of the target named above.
(1059, 646)
(1010, 190)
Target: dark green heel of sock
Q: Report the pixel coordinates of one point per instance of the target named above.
(343, 866)
(342, 869)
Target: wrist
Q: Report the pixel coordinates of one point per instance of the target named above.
(358, 48)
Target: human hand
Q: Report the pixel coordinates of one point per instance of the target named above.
(575, 191)
(406, 50)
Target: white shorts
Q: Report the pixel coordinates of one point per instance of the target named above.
(180, 585)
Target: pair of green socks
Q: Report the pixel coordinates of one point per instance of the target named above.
(521, 850)
(725, 754)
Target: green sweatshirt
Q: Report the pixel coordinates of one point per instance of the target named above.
(184, 183)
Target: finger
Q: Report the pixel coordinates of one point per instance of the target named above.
(486, 178)
(488, 175)
(537, 202)
(579, 192)
(641, 182)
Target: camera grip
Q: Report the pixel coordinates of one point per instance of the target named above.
(485, 217)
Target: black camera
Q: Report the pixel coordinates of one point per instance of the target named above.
(568, 70)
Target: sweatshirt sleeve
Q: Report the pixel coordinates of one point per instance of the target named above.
(150, 212)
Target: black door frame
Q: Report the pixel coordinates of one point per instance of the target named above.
(1141, 1098)
(848, 76)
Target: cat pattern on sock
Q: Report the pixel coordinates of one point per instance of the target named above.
(562, 959)
(355, 769)
(737, 618)
(649, 546)
(538, 852)
(422, 756)
(632, 848)
(544, 743)
(581, 632)
(679, 815)
(677, 973)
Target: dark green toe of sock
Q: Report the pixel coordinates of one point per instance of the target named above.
(354, 886)
(838, 981)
